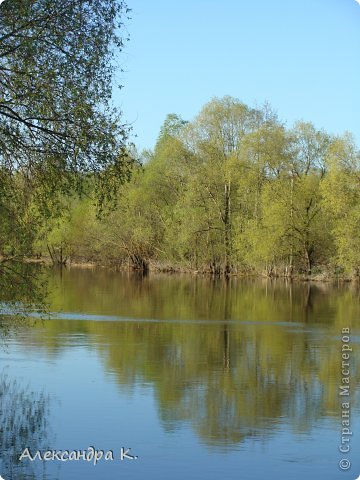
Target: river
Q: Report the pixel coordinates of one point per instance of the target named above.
(183, 377)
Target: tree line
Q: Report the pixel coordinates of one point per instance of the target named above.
(233, 191)
(58, 125)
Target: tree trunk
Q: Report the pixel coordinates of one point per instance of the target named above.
(139, 263)
(227, 228)
(291, 259)
(308, 261)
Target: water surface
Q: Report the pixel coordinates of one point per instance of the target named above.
(201, 378)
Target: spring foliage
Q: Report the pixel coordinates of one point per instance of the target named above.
(232, 191)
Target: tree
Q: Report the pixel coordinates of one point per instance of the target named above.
(231, 191)
(58, 127)
(57, 65)
(290, 226)
(307, 170)
(341, 201)
(171, 128)
(215, 138)
(142, 229)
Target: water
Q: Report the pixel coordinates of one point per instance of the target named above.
(199, 377)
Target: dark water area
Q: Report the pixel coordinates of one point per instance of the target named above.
(199, 377)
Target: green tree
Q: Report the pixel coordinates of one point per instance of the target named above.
(142, 227)
(233, 190)
(57, 64)
(290, 227)
(214, 139)
(341, 200)
(58, 127)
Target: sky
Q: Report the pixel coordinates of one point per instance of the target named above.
(300, 56)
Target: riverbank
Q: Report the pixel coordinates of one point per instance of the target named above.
(157, 267)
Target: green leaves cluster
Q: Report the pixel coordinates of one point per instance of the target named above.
(59, 132)
(57, 66)
(236, 191)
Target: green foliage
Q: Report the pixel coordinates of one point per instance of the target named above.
(341, 193)
(57, 63)
(232, 191)
(59, 132)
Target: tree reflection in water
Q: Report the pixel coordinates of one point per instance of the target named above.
(235, 360)
(23, 423)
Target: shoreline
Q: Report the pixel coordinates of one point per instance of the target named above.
(174, 270)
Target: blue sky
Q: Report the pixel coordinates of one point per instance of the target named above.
(303, 57)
